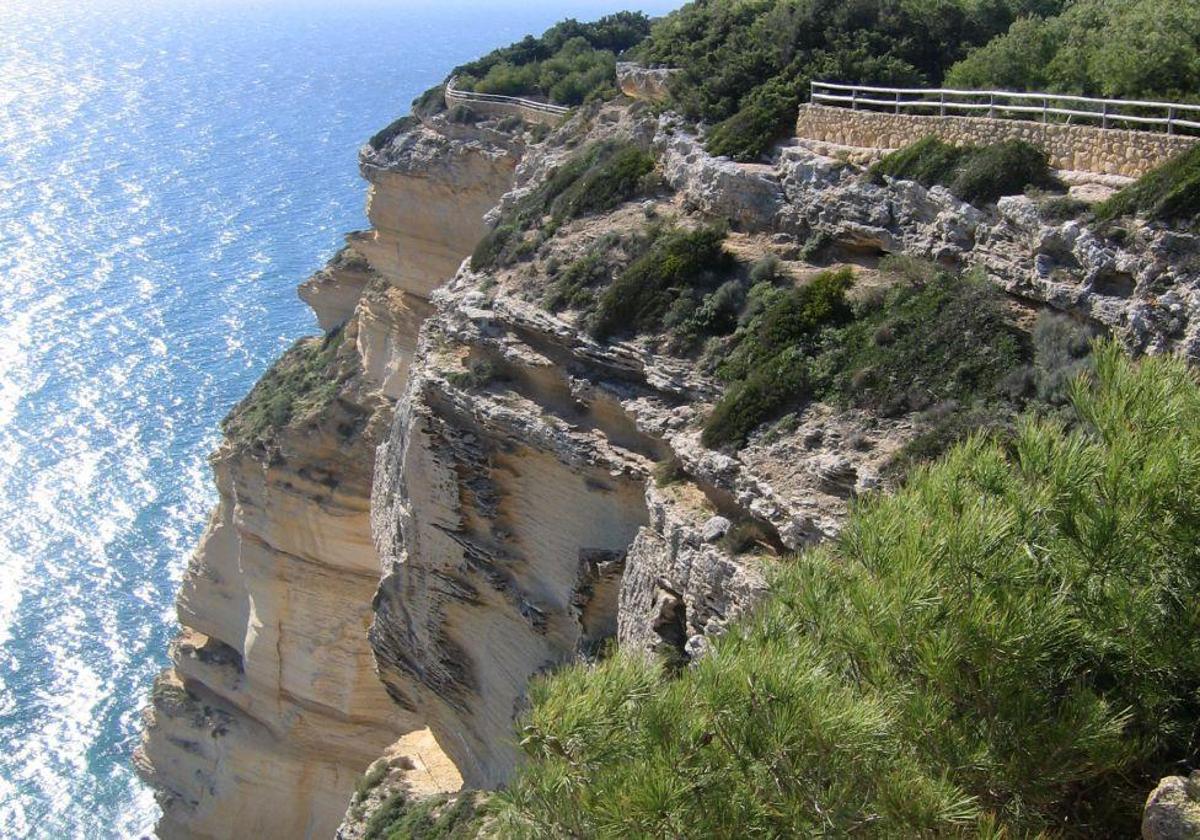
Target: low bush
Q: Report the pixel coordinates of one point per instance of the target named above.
(594, 180)
(385, 136)
(787, 318)
(302, 381)
(1169, 193)
(929, 161)
(439, 817)
(570, 63)
(1004, 648)
(766, 392)
(946, 338)
(977, 174)
(1005, 168)
(675, 262)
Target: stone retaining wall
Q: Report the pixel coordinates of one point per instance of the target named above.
(1107, 151)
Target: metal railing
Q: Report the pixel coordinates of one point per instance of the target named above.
(454, 96)
(1050, 107)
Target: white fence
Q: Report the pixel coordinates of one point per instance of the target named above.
(1038, 107)
(454, 96)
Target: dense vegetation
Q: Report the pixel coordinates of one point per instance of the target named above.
(1121, 48)
(938, 345)
(747, 66)
(977, 174)
(674, 262)
(570, 63)
(1002, 648)
(301, 382)
(438, 817)
(1170, 193)
(594, 180)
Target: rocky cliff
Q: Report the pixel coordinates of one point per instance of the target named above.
(467, 489)
(272, 709)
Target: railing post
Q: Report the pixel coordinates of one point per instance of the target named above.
(942, 103)
(991, 105)
(854, 99)
(1045, 109)
(1104, 116)
(897, 102)
(1170, 120)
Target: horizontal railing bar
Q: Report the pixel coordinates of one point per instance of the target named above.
(500, 99)
(999, 107)
(1010, 94)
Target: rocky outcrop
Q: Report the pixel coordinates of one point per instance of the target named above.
(648, 83)
(1173, 809)
(1138, 281)
(496, 494)
(272, 708)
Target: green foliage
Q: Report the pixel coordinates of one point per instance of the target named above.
(302, 381)
(431, 102)
(1000, 169)
(769, 367)
(668, 472)
(439, 817)
(1003, 648)
(945, 338)
(766, 391)
(978, 174)
(1169, 193)
(674, 263)
(479, 374)
(928, 161)
(1133, 49)
(746, 65)
(784, 318)
(570, 63)
(386, 135)
(618, 174)
(594, 180)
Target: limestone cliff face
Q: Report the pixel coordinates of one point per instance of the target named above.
(272, 709)
(472, 493)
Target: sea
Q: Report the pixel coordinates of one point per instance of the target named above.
(169, 171)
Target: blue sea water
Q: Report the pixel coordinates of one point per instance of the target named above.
(169, 170)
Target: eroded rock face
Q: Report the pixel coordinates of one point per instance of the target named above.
(1141, 283)
(272, 709)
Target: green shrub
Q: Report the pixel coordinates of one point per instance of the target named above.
(787, 318)
(675, 262)
(947, 338)
(570, 63)
(1169, 193)
(766, 269)
(384, 136)
(443, 816)
(301, 382)
(746, 66)
(594, 180)
(1000, 169)
(1004, 648)
(978, 174)
(431, 102)
(617, 174)
(777, 384)
(1134, 49)
(928, 161)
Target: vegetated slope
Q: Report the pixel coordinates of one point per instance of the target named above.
(569, 64)
(747, 66)
(1169, 193)
(1003, 647)
(1131, 49)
